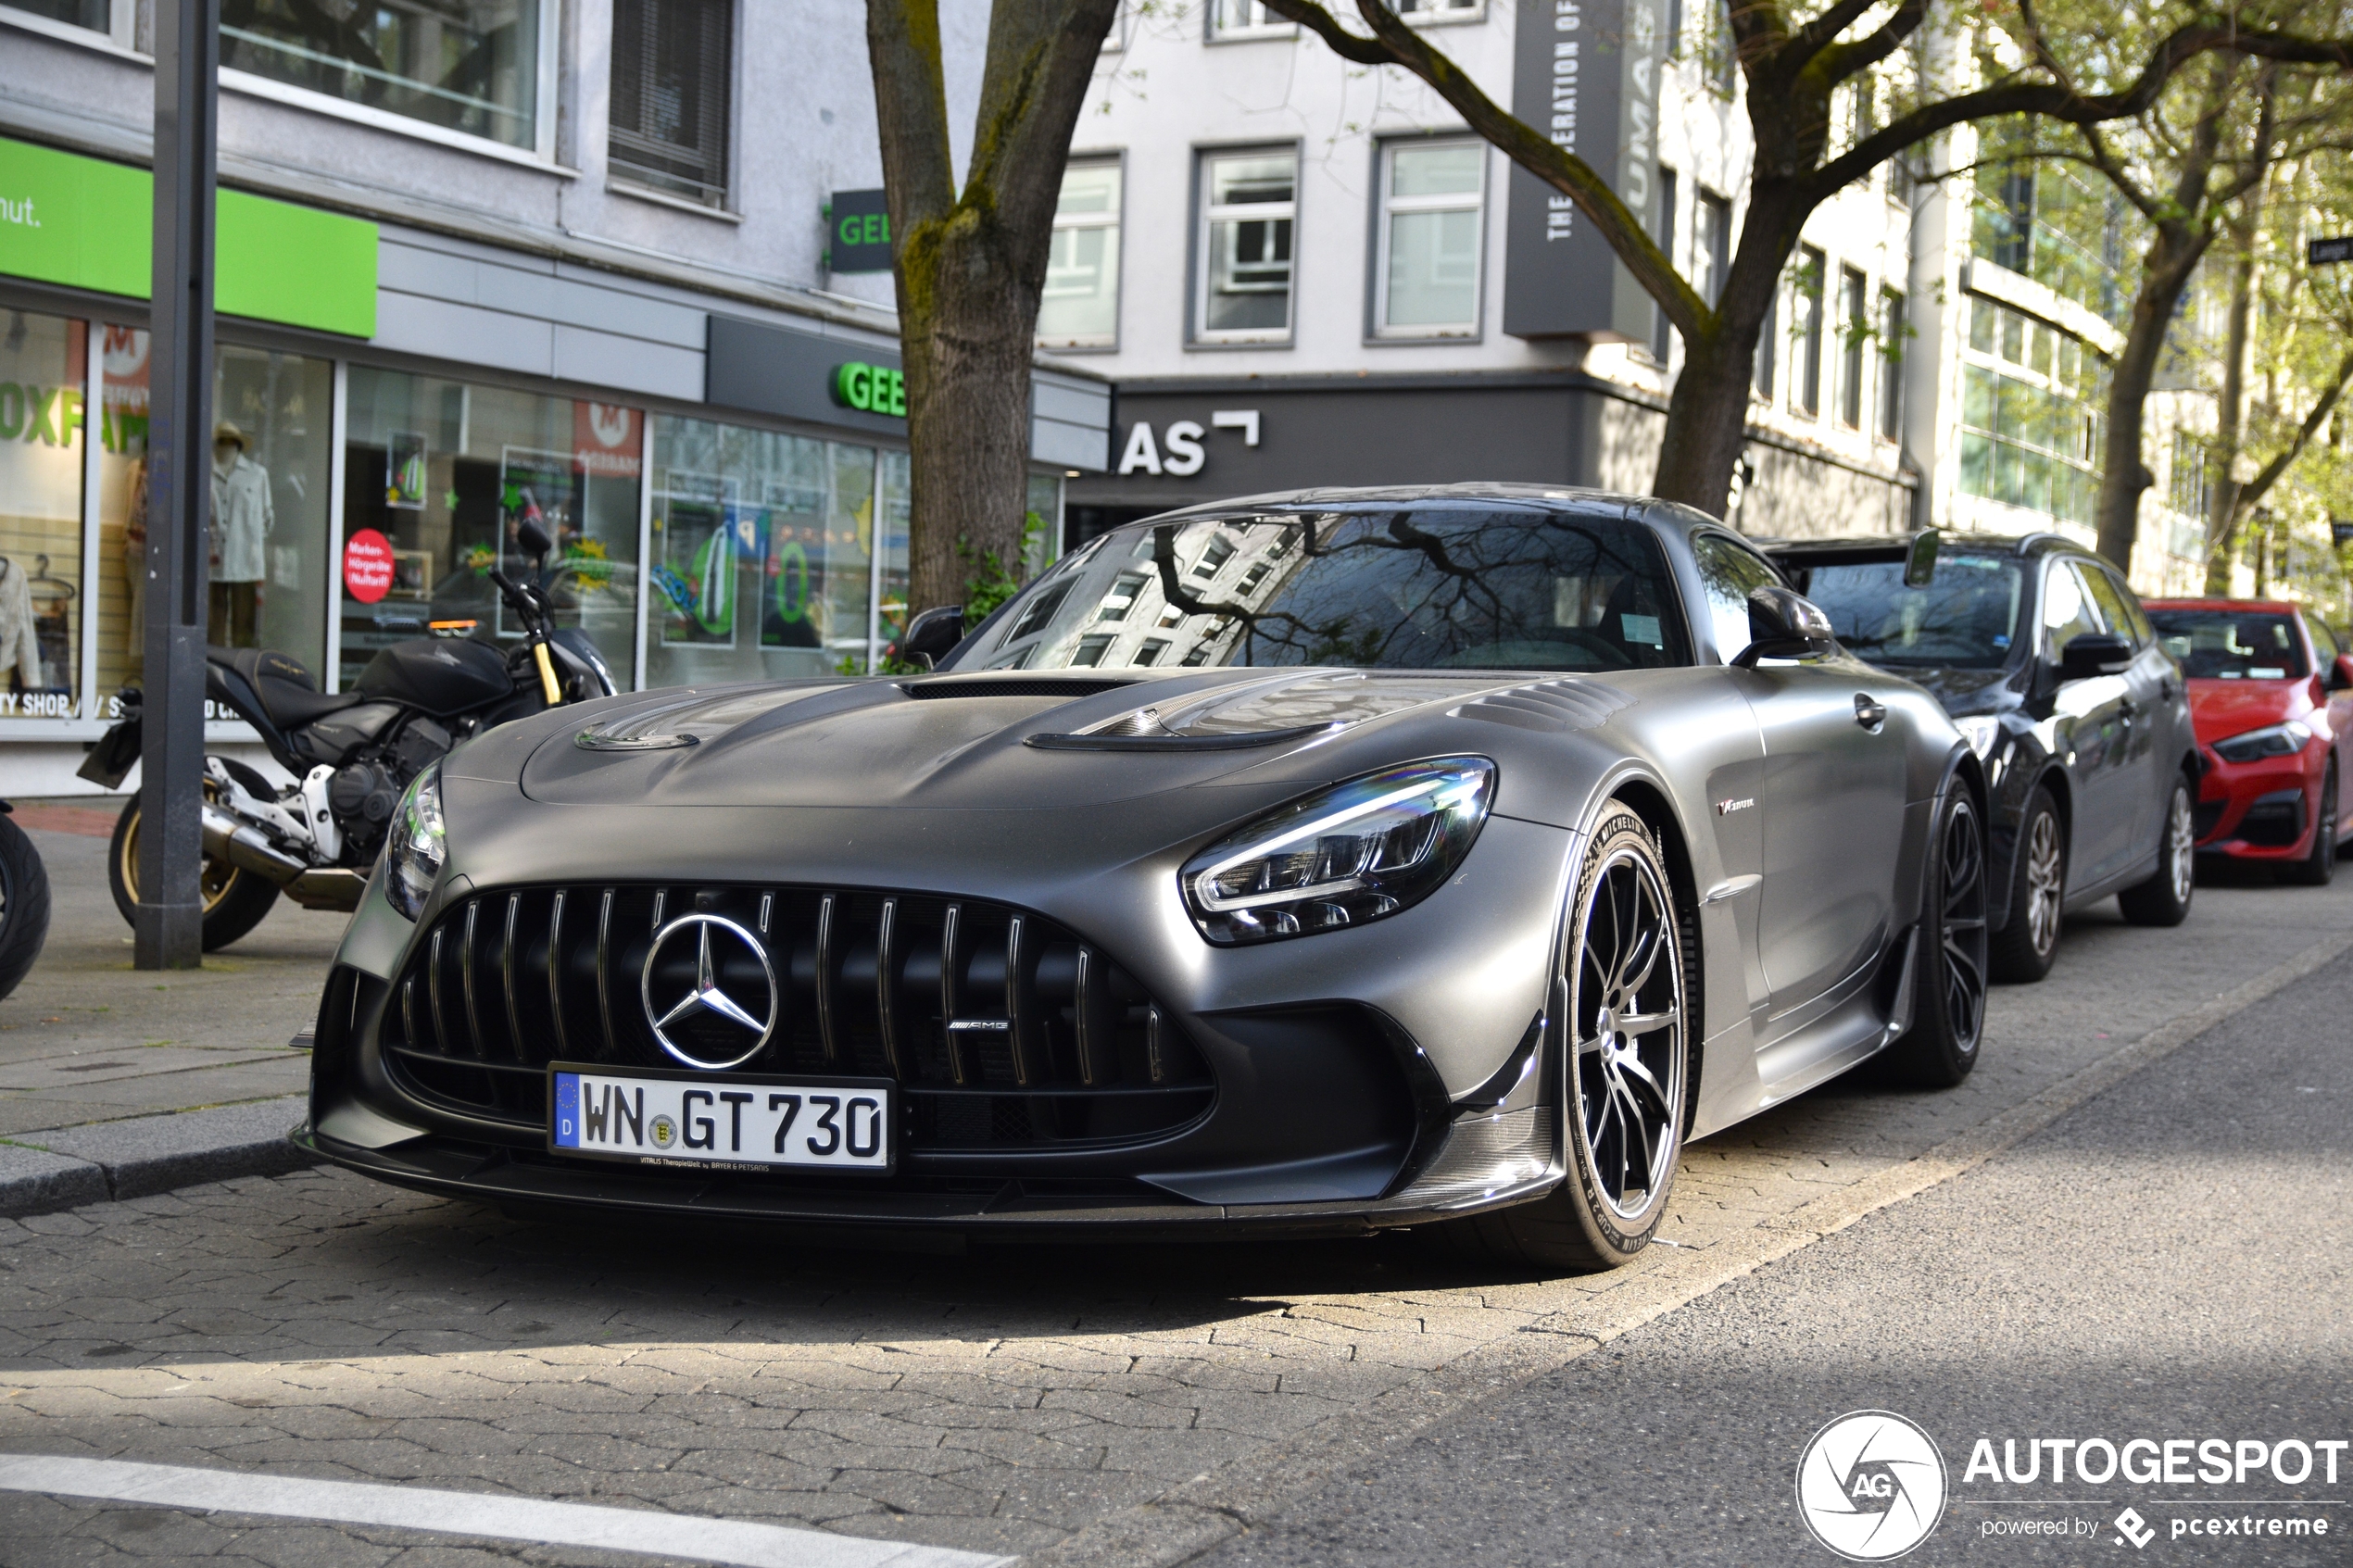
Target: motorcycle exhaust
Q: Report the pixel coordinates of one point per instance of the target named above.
(314, 887)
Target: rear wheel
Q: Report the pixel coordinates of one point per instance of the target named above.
(2164, 899)
(2318, 866)
(1627, 952)
(1948, 1008)
(234, 901)
(2021, 952)
(24, 905)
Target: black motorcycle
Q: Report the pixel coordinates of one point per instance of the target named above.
(351, 753)
(24, 903)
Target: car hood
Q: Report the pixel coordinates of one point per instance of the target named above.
(969, 742)
(2223, 708)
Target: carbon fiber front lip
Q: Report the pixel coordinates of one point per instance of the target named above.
(448, 1168)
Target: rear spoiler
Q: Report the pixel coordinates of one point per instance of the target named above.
(1797, 557)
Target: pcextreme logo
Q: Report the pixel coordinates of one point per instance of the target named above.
(1871, 1486)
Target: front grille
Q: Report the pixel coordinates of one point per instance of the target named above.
(1061, 1048)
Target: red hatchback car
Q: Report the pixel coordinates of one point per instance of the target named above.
(2271, 695)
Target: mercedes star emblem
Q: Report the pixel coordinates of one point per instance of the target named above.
(705, 996)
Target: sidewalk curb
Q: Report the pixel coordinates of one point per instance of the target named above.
(65, 1167)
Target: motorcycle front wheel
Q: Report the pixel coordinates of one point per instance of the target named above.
(235, 899)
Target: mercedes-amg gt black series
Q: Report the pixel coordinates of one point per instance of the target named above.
(2047, 662)
(1311, 863)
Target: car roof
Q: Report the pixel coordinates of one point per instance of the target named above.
(2266, 607)
(2036, 543)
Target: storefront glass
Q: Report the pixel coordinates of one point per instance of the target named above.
(443, 473)
(267, 576)
(763, 554)
(43, 374)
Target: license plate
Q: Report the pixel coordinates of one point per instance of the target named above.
(711, 1121)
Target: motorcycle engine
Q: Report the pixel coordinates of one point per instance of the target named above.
(363, 796)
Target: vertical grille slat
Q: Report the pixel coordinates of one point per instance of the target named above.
(555, 972)
(1004, 1030)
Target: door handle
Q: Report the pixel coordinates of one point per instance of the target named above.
(1870, 711)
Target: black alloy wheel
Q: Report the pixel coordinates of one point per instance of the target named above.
(1948, 1002)
(2023, 950)
(2164, 898)
(2318, 868)
(1623, 996)
(24, 905)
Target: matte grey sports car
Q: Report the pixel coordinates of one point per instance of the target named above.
(1309, 863)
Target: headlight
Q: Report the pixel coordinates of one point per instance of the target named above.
(1342, 857)
(1981, 731)
(418, 845)
(2272, 740)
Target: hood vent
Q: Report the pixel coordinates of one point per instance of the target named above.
(924, 691)
(1557, 706)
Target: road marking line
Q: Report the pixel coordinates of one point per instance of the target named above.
(473, 1513)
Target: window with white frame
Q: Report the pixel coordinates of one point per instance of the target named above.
(1891, 365)
(469, 67)
(1249, 202)
(1806, 332)
(1711, 245)
(1080, 306)
(1662, 330)
(1430, 226)
(1439, 10)
(1856, 334)
(1246, 19)
(672, 75)
(95, 15)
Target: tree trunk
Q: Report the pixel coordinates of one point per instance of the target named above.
(2222, 498)
(2172, 256)
(1707, 411)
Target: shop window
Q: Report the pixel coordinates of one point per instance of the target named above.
(1430, 232)
(447, 471)
(472, 68)
(673, 77)
(1080, 306)
(1855, 304)
(95, 15)
(774, 556)
(1249, 202)
(43, 372)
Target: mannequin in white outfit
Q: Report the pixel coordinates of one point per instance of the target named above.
(241, 523)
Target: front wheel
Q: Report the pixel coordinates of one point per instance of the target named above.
(2164, 898)
(24, 905)
(235, 899)
(1627, 953)
(1948, 1007)
(2319, 867)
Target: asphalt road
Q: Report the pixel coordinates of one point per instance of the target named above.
(2092, 1237)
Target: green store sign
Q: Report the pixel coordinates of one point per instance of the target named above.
(871, 389)
(86, 223)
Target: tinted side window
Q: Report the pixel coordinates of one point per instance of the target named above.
(2323, 640)
(2117, 604)
(1728, 572)
(2069, 611)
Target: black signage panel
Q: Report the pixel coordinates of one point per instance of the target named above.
(827, 381)
(858, 233)
(1586, 73)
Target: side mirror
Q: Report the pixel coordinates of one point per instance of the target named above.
(2341, 673)
(1783, 624)
(2096, 653)
(534, 540)
(1919, 562)
(932, 635)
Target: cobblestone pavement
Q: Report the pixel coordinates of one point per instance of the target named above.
(1111, 1404)
(87, 1038)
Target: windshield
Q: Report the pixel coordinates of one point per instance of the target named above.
(2226, 644)
(1963, 619)
(1429, 588)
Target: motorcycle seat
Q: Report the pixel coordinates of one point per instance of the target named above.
(289, 692)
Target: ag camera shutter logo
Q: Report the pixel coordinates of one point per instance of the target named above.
(1871, 1486)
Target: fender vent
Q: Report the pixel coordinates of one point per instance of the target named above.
(1555, 706)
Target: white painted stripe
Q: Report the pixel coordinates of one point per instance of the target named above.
(473, 1513)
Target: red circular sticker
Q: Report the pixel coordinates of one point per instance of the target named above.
(367, 566)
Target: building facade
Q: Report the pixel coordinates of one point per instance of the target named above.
(615, 264)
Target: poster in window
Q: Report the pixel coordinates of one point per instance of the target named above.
(405, 471)
(540, 487)
(698, 528)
